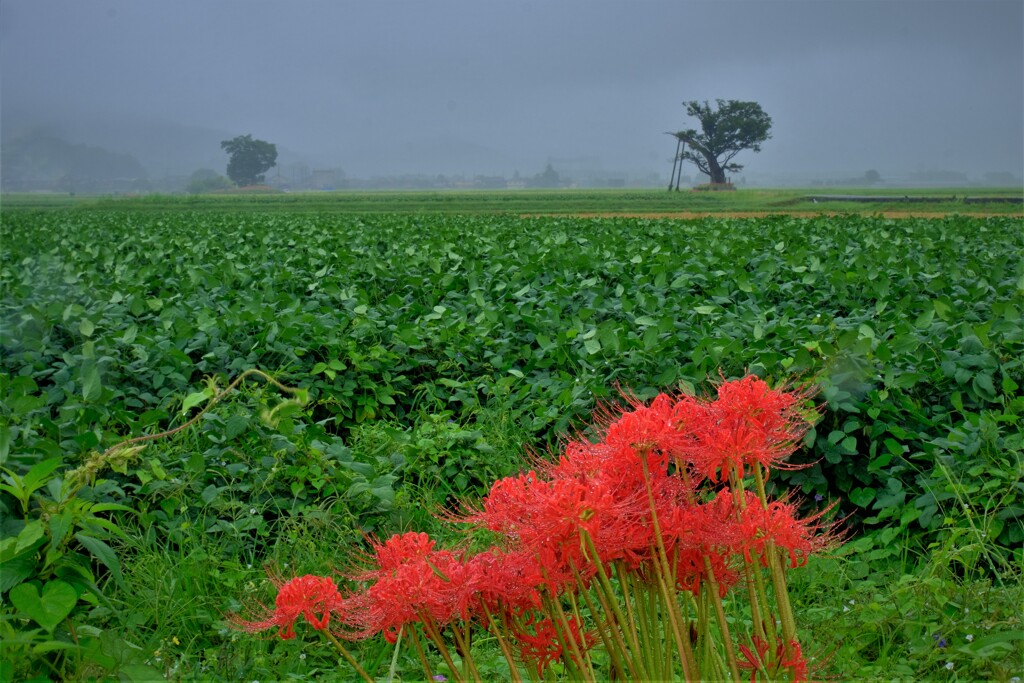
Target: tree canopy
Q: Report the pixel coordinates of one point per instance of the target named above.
(250, 159)
(725, 132)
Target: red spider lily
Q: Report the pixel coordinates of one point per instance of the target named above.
(748, 423)
(693, 533)
(616, 468)
(502, 582)
(754, 660)
(314, 597)
(549, 643)
(549, 517)
(411, 582)
(652, 428)
(401, 549)
(779, 524)
(628, 476)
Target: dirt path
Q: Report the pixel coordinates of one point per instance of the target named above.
(762, 214)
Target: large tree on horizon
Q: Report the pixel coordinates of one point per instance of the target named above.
(250, 159)
(725, 132)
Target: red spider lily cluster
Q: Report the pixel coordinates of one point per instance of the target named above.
(313, 597)
(642, 534)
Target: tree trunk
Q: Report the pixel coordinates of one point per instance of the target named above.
(717, 174)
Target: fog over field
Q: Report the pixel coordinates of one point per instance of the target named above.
(909, 88)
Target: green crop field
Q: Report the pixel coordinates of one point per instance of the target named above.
(422, 344)
(974, 200)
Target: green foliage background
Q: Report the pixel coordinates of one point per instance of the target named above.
(435, 347)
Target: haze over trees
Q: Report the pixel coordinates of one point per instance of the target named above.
(39, 160)
(250, 159)
(724, 132)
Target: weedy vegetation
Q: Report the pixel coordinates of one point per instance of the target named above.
(409, 360)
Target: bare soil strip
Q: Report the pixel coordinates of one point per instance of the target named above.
(763, 214)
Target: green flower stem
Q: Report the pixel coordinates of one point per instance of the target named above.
(663, 573)
(609, 599)
(756, 590)
(565, 634)
(586, 651)
(638, 608)
(348, 657)
(723, 625)
(501, 635)
(769, 631)
(759, 482)
(394, 656)
(705, 643)
(603, 632)
(520, 626)
(430, 628)
(419, 651)
(756, 593)
(462, 643)
(782, 598)
(778, 574)
(629, 600)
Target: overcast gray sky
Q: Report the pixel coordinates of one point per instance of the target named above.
(491, 87)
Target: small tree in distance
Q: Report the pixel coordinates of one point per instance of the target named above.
(206, 180)
(250, 159)
(725, 132)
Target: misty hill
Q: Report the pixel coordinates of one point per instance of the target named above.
(41, 161)
(163, 148)
(168, 152)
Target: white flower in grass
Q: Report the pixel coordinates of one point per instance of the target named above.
(970, 637)
(949, 666)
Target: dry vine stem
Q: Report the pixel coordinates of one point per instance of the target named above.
(127, 449)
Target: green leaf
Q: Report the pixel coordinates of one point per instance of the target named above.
(5, 442)
(862, 497)
(60, 525)
(86, 327)
(40, 474)
(53, 646)
(49, 608)
(943, 309)
(236, 425)
(592, 345)
(16, 569)
(894, 447)
(925, 319)
(194, 399)
(30, 534)
(92, 387)
(104, 553)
